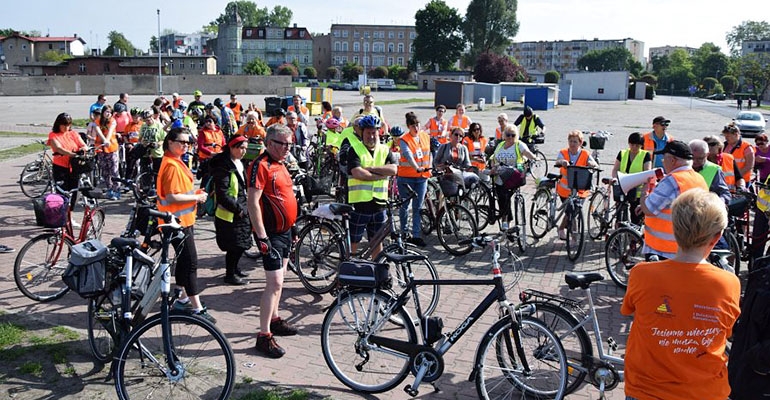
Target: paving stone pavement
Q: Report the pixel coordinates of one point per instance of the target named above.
(237, 310)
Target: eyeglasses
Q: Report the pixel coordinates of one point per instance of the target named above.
(183, 142)
(476, 130)
(510, 134)
(278, 142)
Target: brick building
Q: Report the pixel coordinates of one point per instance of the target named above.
(18, 49)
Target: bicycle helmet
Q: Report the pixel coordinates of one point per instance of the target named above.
(209, 106)
(396, 131)
(147, 114)
(196, 113)
(136, 111)
(369, 121)
(218, 102)
(181, 106)
(332, 124)
(177, 124)
(197, 93)
(527, 111)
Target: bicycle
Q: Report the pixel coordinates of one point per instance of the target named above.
(324, 243)
(568, 319)
(36, 178)
(453, 222)
(171, 353)
(41, 262)
(601, 215)
(537, 168)
(484, 198)
(370, 353)
(543, 213)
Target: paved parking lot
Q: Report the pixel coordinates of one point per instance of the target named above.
(236, 308)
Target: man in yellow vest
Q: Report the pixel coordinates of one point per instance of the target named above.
(711, 173)
(370, 163)
(528, 123)
(659, 241)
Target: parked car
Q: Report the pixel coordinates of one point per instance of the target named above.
(313, 83)
(751, 123)
(716, 96)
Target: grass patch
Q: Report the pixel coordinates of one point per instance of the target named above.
(66, 333)
(59, 354)
(23, 134)
(404, 101)
(40, 341)
(406, 87)
(20, 151)
(276, 394)
(80, 122)
(31, 368)
(10, 334)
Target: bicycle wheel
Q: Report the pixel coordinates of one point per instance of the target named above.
(35, 179)
(597, 214)
(357, 363)
(539, 221)
(622, 251)
(422, 269)
(500, 372)
(426, 222)
(575, 233)
(103, 326)
(520, 218)
(40, 265)
(480, 195)
(200, 350)
(317, 255)
(456, 225)
(538, 167)
(735, 249)
(576, 342)
(96, 225)
(146, 182)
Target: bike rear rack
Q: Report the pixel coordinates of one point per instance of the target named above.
(530, 295)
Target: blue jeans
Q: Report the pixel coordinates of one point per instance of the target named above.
(420, 186)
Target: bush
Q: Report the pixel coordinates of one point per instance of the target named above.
(493, 68)
(729, 83)
(310, 72)
(332, 73)
(649, 79)
(552, 77)
(350, 71)
(287, 69)
(257, 67)
(379, 72)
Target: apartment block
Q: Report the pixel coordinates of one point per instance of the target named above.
(371, 45)
(193, 44)
(563, 56)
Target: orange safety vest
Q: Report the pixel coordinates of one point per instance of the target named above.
(237, 109)
(498, 134)
(464, 123)
(563, 187)
(659, 229)
(649, 145)
(211, 137)
(740, 158)
(473, 152)
(728, 168)
(175, 178)
(435, 130)
(302, 109)
(111, 148)
(421, 155)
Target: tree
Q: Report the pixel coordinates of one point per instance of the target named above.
(678, 74)
(394, 72)
(253, 16)
(310, 72)
(747, 30)
(257, 66)
(552, 77)
(613, 59)
(9, 32)
(489, 26)
(709, 83)
(729, 83)
(332, 73)
(709, 60)
(295, 63)
(439, 41)
(380, 72)
(493, 68)
(54, 56)
(350, 71)
(755, 69)
(649, 79)
(153, 44)
(118, 45)
(287, 69)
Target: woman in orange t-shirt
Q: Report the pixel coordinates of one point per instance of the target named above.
(106, 144)
(251, 129)
(65, 143)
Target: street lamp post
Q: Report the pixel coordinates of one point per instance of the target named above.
(160, 62)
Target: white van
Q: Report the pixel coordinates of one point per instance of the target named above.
(383, 84)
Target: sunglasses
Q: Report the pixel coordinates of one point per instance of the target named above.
(664, 124)
(183, 142)
(458, 135)
(510, 134)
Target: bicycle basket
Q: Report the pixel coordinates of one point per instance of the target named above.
(539, 139)
(579, 178)
(364, 274)
(737, 206)
(82, 165)
(86, 274)
(51, 210)
(597, 142)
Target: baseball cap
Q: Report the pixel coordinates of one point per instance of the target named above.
(660, 119)
(677, 148)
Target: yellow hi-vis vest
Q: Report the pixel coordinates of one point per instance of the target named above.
(636, 166)
(221, 212)
(364, 191)
(708, 172)
(763, 197)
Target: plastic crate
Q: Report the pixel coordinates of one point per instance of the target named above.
(579, 178)
(597, 142)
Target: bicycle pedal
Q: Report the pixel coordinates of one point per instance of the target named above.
(612, 343)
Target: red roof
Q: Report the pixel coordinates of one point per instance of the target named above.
(46, 38)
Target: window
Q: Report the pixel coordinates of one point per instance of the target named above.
(366, 35)
(400, 47)
(181, 65)
(50, 46)
(261, 33)
(82, 67)
(248, 32)
(356, 46)
(301, 34)
(400, 61)
(390, 61)
(391, 35)
(355, 59)
(366, 47)
(345, 33)
(106, 67)
(307, 60)
(336, 33)
(401, 35)
(337, 46)
(288, 34)
(391, 47)
(344, 59)
(356, 35)
(344, 46)
(336, 60)
(382, 34)
(412, 35)
(378, 60)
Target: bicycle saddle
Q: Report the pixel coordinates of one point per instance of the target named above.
(120, 242)
(582, 280)
(551, 176)
(403, 258)
(340, 208)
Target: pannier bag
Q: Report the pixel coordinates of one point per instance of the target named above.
(87, 271)
(364, 274)
(51, 210)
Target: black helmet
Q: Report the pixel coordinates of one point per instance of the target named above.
(209, 106)
(279, 112)
(218, 102)
(527, 111)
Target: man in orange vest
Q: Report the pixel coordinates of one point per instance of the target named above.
(303, 113)
(657, 139)
(437, 126)
(659, 241)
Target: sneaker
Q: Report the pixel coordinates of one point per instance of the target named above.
(504, 226)
(234, 280)
(419, 242)
(563, 234)
(252, 254)
(5, 249)
(266, 345)
(282, 328)
(179, 306)
(204, 314)
(240, 273)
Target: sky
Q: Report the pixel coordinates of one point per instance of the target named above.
(655, 22)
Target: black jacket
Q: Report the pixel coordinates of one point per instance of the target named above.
(749, 364)
(236, 234)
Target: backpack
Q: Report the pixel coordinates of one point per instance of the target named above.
(209, 207)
